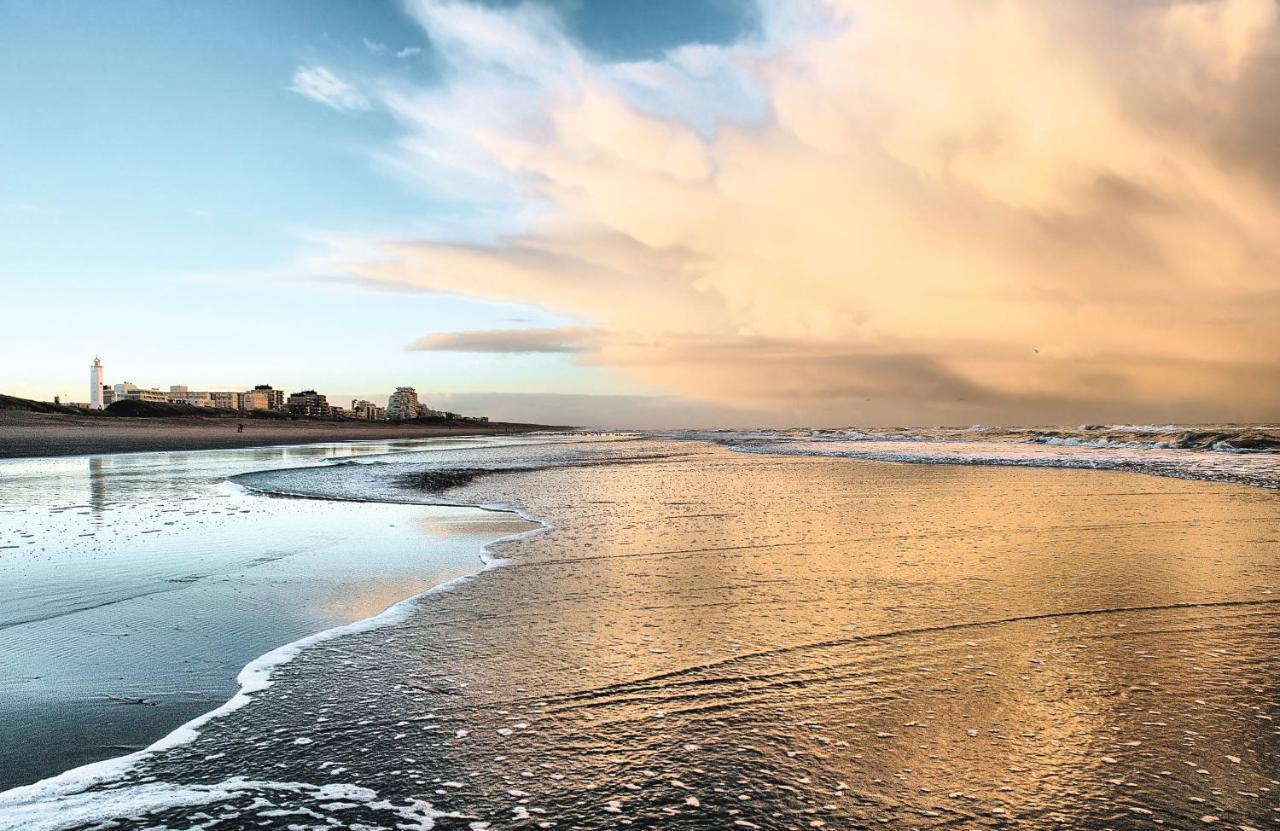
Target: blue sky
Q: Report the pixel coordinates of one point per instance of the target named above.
(162, 187)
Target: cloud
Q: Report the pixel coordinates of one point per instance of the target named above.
(510, 341)
(1033, 211)
(374, 46)
(319, 84)
(611, 411)
(408, 52)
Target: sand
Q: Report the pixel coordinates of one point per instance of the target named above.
(709, 639)
(132, 613)
(24, 434)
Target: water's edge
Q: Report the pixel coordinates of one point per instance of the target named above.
(256, 675)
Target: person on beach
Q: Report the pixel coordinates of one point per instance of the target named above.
(240, 428)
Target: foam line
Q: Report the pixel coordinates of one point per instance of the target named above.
(21, 805)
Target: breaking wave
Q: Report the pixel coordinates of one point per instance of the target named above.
(1240, 454)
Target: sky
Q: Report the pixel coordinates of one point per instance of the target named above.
(669, 213)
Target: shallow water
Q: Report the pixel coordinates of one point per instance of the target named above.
(134, 587)
(712, 639)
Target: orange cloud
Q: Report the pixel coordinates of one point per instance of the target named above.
(978, 210)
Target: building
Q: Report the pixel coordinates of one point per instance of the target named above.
(129, 391)
(309, 403)
(151, 396)
(403, 404)
(179, 394)
(191, 399)
(367, 410)
(96, 398)
(262, 397)
(226, 400)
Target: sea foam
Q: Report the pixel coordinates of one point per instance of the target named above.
(79, 795)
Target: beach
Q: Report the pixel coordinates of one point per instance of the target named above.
(25, 434)
(708, 638)
(133, 587)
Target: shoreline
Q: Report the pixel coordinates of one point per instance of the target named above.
(36, 435)
(708, 643)
(256, 675)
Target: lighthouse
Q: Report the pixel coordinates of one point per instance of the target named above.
(95, 384)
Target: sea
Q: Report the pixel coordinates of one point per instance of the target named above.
(778, 629)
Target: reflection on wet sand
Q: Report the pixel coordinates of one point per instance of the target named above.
(133, 588)
(713, 639)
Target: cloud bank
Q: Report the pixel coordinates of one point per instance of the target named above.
(510, 341)
(872, 211)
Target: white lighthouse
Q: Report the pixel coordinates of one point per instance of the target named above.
(95, 384)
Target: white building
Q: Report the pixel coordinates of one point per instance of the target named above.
(402, 404)
(129, 391)
(95, 384)
(181, 394)
(367, 410)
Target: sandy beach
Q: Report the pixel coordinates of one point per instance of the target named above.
(706, 638)
(133, 587)
(25, 434)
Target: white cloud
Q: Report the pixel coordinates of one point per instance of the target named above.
(408, 52)
(374, 46)
(319, 84)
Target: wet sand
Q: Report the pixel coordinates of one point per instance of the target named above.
(711, 639)
(25, 434)
(134, 587)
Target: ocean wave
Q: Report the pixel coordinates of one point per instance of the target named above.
(1171, 437)
(1255, 469)
(237, 798)
(1243, 454)
(1218, 438)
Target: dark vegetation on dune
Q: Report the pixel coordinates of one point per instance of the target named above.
(152, 409)
(127, 409)
(12, 402)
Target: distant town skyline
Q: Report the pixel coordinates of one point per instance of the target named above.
(101, 391)
(401, 404)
